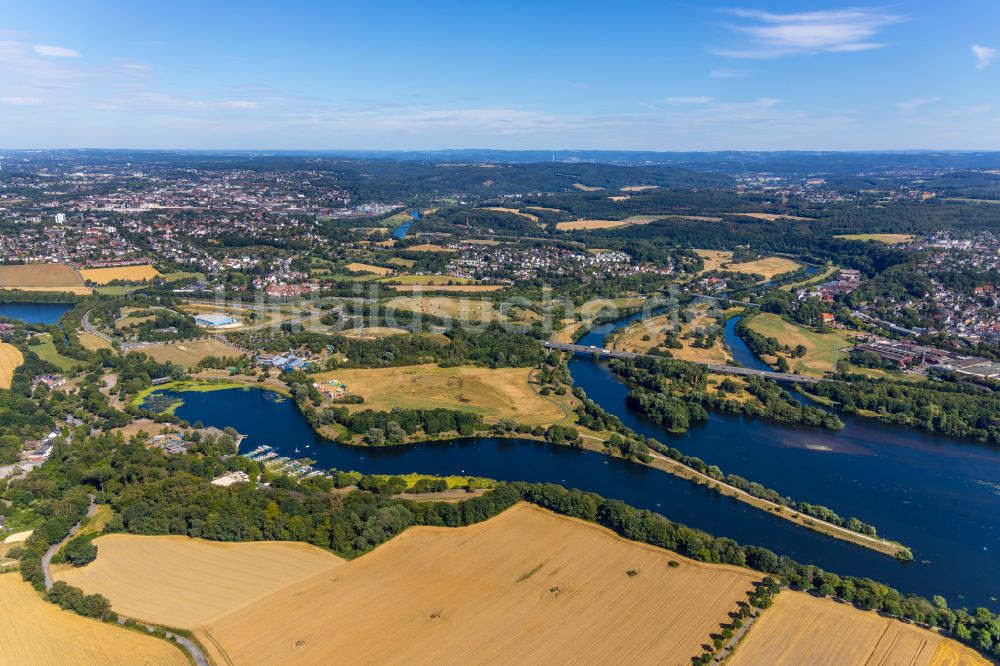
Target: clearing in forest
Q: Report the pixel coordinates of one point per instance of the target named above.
(801, 629)
(181, 582)
(587, 225)
(889, 239)
(527, 586)
(34, 631)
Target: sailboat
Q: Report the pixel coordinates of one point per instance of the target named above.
(296, 448)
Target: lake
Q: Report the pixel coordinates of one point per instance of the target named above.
(35, 313)
(937, 495)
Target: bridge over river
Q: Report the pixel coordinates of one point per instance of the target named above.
(722, 369)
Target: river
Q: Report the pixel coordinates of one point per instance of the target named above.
(937, 495)
(35, 313)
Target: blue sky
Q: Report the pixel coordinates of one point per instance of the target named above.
(548, 75)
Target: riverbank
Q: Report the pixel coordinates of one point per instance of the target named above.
(664, 464)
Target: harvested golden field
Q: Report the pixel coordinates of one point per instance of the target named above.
(42, 277)
(398, 261)
(187, 354)
(92, 342)
(10, 360)
(446, 287)
(586, 225)
(802, 629)
(367, 268)
(768, 267)
(514, 211)
(36, 632)
(889, 239)
(373, 332)
(639, 188)
(181, 582)
(587, 188)
(492, 393)
(525, 587)
(771, 217)
(130, 273)
(429, 247)
(545, 209)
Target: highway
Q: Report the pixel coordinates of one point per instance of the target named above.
(722, 369)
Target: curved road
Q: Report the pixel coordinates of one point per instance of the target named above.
(196, 654)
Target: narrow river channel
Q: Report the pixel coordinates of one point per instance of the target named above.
(939, 496)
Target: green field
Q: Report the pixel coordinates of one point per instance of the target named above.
(47, 352)
(182, 275)
(426, 279)
(117, 290)
(889, 239)
(823, 350)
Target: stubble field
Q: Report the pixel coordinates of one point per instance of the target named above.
(802, 629)
(10, 359)
(42, 277)
(34, 631)
(527, 586)
(131, 273)
(181, 582)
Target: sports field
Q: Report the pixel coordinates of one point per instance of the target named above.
(586, 225)
(823, 350)
(367, 268)
(492, 393)
(130, 273)
(801, 629)
(527, 586)
(181, 582)
(42, 277)
(34, 631)
(889, 239)
(187, 354)
(10, 359)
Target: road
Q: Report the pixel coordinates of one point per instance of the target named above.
(721, 369)
(89, 328)
(196, 654)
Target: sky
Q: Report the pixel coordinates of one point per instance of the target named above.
(548, 74)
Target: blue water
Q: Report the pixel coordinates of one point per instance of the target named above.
(400, 231)
(935, 494)
(35, 313)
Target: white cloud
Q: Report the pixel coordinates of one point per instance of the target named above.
(835, 31)
(984, 55)
(699, 99)
(56, 51)
(911, 105)
(237, 104)
(21, 101)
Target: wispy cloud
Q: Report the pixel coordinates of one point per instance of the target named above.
(20, 101)
(984, 55)
(56, 51)
(725, 73)
(911, 105)
(699, 99)
(835, 31)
